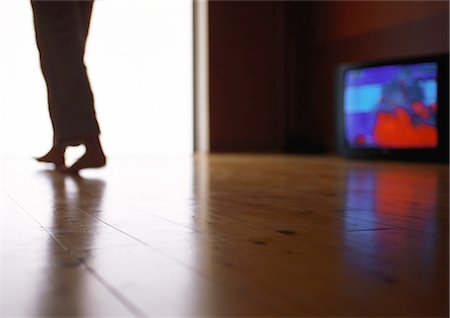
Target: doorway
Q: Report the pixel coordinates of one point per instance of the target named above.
(139, 58)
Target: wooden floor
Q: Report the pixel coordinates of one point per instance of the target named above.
(225, 235)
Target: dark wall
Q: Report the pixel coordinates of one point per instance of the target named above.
(340, 32)
(272, 64)
(245, 76)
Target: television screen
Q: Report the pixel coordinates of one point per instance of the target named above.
(391, 106)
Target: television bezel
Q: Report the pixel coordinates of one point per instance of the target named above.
(438, 154)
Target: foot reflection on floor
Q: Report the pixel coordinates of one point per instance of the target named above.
(225, 235)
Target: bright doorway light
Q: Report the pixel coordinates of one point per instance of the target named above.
(140, 63)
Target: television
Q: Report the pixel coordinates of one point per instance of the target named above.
(396, 109)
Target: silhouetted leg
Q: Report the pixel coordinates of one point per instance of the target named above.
(61, 32)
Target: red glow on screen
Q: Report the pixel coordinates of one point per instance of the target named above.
(396, 129)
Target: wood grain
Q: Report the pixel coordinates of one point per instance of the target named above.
(226, 235)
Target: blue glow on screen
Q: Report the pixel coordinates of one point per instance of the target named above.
(400, 100)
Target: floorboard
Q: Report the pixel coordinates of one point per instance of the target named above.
(225, 235)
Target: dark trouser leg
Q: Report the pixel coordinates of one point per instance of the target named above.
(61, 32)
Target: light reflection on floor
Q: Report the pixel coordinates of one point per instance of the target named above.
(226, 235)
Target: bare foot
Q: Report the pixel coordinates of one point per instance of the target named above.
(55, 156)
(89, 160)
(93, 158)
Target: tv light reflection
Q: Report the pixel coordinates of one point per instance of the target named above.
(383, 209)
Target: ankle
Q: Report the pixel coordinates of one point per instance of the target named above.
(60, 149)
(92, 144)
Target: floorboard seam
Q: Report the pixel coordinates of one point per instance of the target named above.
(122, 299)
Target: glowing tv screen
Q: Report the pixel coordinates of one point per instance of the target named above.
(394, 109)
(391, 106)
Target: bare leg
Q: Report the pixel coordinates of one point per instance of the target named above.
(55, 156)
(61, 31)
(93, 158)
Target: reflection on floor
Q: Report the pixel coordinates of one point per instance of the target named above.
(225, 235)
